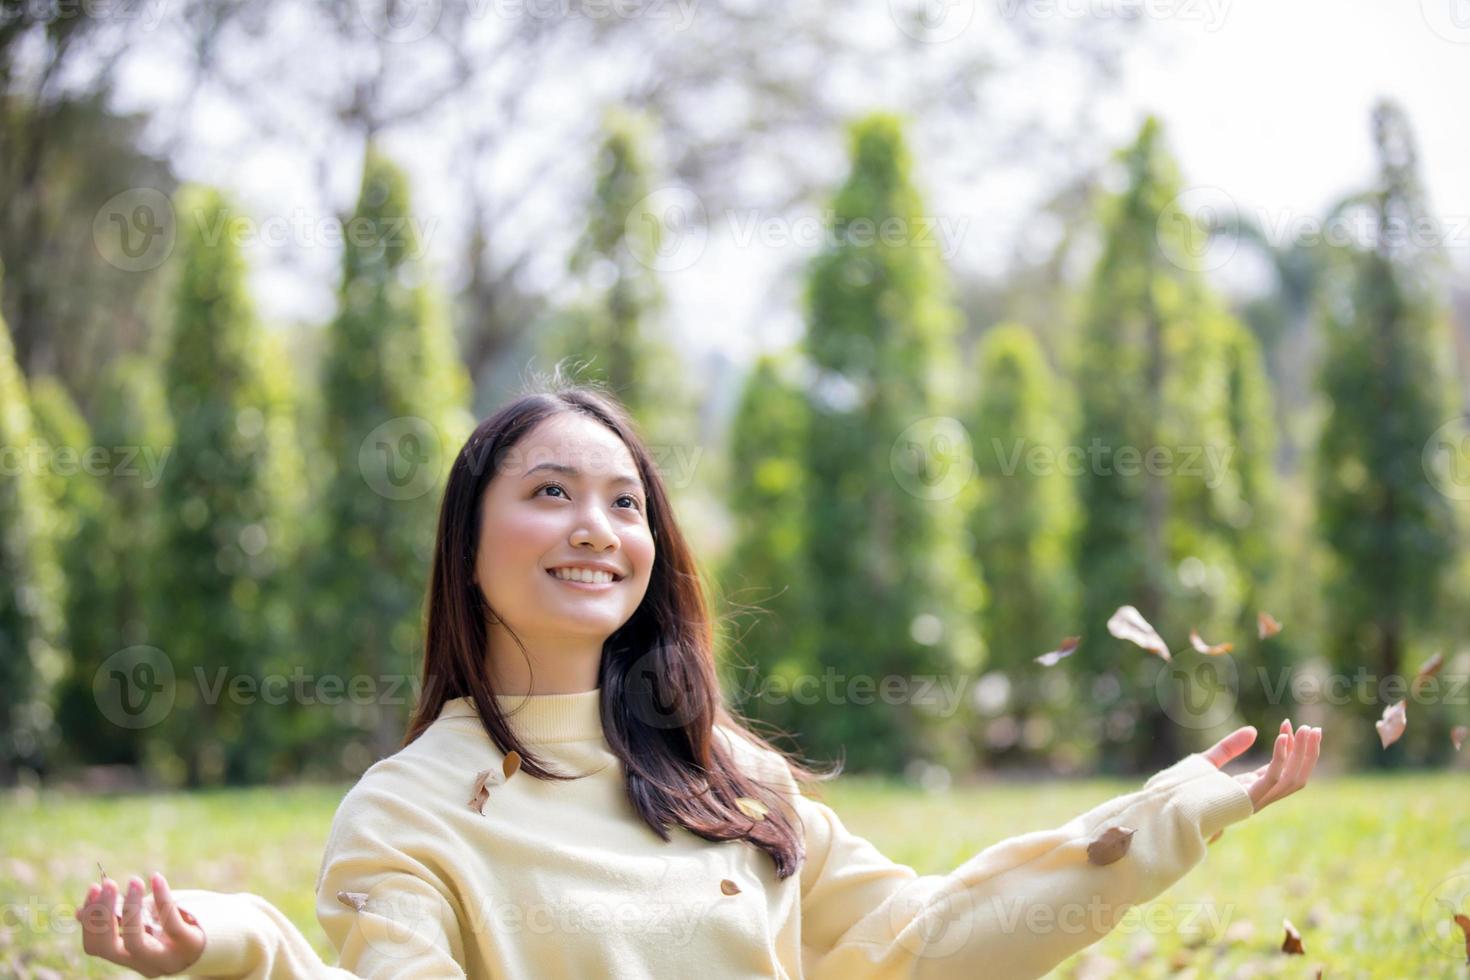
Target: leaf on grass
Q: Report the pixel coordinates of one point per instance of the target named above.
(353, 900)
(754, 809)
(1196, 641)
(1066, 648)
(1457, 735)
(1293, 941)
(1428, 670)
(512, 763)
(480, 795)
(729, 887)
(1128, 624)
(1110, 845)
(1391, 725)
(1266, 624)
(1463, 921)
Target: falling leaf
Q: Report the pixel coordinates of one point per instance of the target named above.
(353, 900)
(1266, 624)
(484, 779)
(1128, 624)
(1217, 835)
(754, 809)
(1463, 921)
(1457, 735)
(1110, 845)
(729, 887)
(1199, 644)
(1430, 668)
(512, 763)
(1391, 726)
(1293, 941)
(1067, 647)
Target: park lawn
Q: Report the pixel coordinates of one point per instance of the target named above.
(1353, 862)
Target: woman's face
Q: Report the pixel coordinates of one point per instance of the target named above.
(567, 494)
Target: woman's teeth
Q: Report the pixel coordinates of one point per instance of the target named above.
(582, 575)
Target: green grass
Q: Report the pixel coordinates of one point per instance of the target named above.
(1352, 862)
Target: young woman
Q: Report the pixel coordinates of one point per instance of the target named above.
(572, 798)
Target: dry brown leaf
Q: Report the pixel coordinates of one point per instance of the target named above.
(1266, 624)
(754, 809)
(353, 900)
(1110, 845)
(729, 887)
(1293, 941)
(1457, 735)
(1199, 644)
(1066, 648)
(512, 763)
(1128, 624)
(1428, 670)
(1217, 835)
(1463, 921)
(484, 779)
(1391, 725)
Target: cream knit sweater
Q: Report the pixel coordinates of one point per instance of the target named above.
(562, 880)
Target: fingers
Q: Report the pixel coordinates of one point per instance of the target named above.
(1292, 764)
(135, 939)
(1231, 746)
(168, 911)
(99, 923)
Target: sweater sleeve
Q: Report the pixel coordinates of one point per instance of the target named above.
(406, 928)
(1016, 909)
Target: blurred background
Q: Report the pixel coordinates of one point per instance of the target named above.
(955, 327)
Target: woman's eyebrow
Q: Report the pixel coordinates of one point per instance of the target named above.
(617, 479)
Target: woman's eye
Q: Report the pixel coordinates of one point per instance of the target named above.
(558, 486)
(629, 496)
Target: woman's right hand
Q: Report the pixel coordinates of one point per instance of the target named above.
(158, 938)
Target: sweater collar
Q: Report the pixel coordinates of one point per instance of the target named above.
(542, 717)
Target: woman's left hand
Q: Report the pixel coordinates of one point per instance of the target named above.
(1294, 755)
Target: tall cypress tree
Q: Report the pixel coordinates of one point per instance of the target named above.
(1390, 530)
(223, 539)
(1024, 511)
(896, 595)
(31, 588)
(394, 402)
(1173, 479)
(765, 582)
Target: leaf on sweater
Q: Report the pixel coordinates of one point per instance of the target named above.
(1266, 624)
(512, 763)
(1391, 725)
(1110, 845)
(1196, 641)
(729, 887)
(1463, 921)
(353, 900)
(481, 792)
(1066, 648)
(754, 809)
(1292, 943)
(1428, 670)
(1457, 735)
(1128, 624)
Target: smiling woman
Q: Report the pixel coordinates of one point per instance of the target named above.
(573, 798)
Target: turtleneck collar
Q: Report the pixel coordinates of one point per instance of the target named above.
(542, 717)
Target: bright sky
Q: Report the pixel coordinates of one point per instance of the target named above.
(1266, 103)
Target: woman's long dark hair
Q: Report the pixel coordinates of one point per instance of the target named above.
(661, 697)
